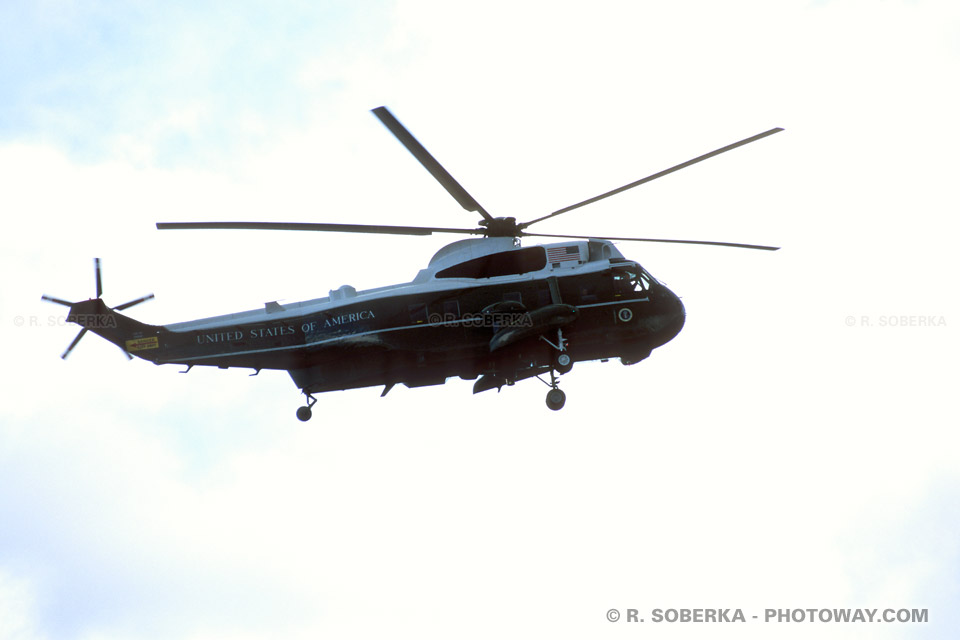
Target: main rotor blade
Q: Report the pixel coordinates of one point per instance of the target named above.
(127, 305)
(660, 174)
(96, 271)
(707, 242)
(429, 162)
(74, 343)
(57, 300)
(317, 226)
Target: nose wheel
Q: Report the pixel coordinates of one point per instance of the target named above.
(555, 397)
(305, 413)
(562, 363)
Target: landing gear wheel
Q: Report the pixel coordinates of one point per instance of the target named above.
(556, 399)
(563, 363)
(305, 413)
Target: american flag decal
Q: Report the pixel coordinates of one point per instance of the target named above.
(563, 254)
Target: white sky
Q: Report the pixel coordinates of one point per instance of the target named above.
(770, 456)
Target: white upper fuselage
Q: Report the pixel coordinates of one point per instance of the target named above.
(572, 256)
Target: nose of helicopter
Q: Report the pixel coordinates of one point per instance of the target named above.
(673, 315)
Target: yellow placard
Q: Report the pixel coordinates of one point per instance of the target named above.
(142, 343)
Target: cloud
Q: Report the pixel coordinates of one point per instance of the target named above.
(166, 85)
(19, 618)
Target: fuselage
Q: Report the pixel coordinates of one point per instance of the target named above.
(443, 323)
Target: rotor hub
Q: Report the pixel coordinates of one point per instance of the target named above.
(501, 228)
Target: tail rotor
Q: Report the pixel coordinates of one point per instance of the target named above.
(74, 317)
(96, 274)
(132, 303)
(74, 343)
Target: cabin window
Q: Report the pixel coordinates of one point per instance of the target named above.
(588, 294)
(505, 263)
(418, 313)
(630, 279)
(451, 310)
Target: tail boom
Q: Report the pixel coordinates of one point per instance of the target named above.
(133, 337)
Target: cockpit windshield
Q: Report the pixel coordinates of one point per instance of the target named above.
(631, 277)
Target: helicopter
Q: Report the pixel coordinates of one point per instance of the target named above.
(485, 309)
